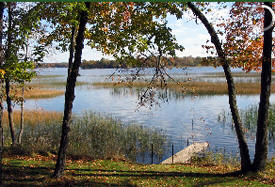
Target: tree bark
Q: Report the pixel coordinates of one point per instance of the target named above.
(21, 118)
(9, 105)
(22, 102)
(1, 96)
(244, 152)
(7, 81)
(261, 146)
(71, 51)
(69, 94)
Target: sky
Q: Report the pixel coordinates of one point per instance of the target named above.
(189, 34)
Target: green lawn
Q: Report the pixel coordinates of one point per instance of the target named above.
(36, 171)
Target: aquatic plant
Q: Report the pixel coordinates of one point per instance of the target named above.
(92, 135)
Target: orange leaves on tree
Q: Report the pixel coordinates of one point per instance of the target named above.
(244, 35)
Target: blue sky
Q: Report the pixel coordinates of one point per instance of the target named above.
(189, 34)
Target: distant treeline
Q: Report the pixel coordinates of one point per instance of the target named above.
(106, 63)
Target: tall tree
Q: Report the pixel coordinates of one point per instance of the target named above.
(9, 60)
(244, 152)
(242, 49)
(114, 32)
(69, 93)
(20, 23)
(261, 147)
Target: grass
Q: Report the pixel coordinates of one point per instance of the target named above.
(54, 83)
(91, 136)
(201, 88)
(38, 93)
(249, 118)
(47, 76)
(34, 92)
(234, 74)
(36, 171)
(34, 117)
(103, 140)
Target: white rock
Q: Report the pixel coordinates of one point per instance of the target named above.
(185, 155)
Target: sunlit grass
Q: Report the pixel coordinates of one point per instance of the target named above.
(48, 76)
(37, 93)
(34, 117)
(99, 138)
(201, 88)
(37, 170)
(234, 74)
(54, 84)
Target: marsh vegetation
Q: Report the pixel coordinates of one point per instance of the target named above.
(198, 88)
(92, 136)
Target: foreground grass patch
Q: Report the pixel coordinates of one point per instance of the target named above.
(201, 88)
(31, 171)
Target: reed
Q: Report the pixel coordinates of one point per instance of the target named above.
(91, 135)
(34, 117)
(234, 74)
(37, 93)
(249, 118)
(201, 88)
(48, 76)
(52, 83)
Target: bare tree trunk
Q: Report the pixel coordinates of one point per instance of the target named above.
(22, 101)
(7, 81)
(244, 152)
(1, 96)
(69, 94)
(10, 115)
(21, 118)
(261, 147)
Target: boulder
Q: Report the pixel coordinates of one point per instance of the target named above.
(185, 155)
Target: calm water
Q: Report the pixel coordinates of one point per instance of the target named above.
(182, 117)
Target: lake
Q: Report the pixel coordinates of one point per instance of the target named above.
(185, 118)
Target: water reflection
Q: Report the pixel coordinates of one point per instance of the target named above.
(163, 94)
(185, 118)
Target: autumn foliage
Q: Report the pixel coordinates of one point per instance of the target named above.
(243, 36)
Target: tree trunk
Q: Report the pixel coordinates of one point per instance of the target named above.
(7, 81)
(244, 152)
(69, 94)
(261, 147)
(1, 134)
(9, 105)
(71, 51)
(22, 101)
(1, 96)
(21, 118)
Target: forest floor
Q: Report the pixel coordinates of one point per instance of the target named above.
(37, 171)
